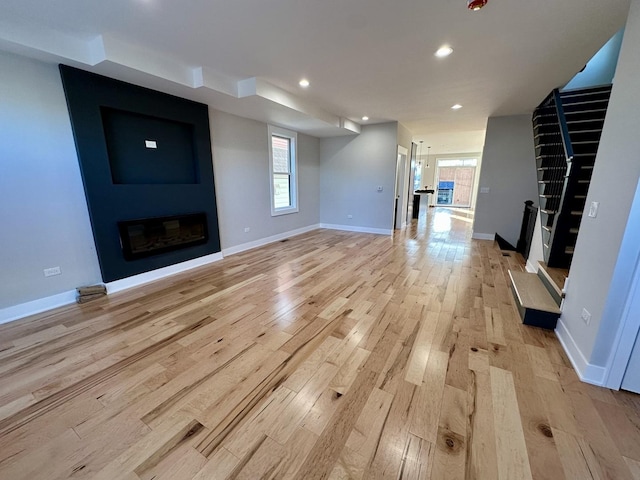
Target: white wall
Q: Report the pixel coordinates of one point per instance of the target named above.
(351, 169)
(509, 171)
(595, 282)
(43, 212)
(427, 180)
(241, 169)
(601, 69)
(536, 253)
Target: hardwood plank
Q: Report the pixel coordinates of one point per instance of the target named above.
(513, 461)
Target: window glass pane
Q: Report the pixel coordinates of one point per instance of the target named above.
(281, 191)
(471, 162)
(281, 149)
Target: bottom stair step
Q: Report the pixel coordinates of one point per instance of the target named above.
(535, 304)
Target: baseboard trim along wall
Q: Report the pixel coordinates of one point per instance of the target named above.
(33, 307)
(587, 372)
(352, 228)
(483, 236)
(267, 240)
(40, 305)
(146, 277)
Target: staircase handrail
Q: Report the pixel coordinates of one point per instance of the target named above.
(564, 130)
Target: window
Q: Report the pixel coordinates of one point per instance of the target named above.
(282, 166)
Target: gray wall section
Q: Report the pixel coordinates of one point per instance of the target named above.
(595, 282)
(241, 167)
(43, 211)
(509, 170)
(404, 138)
(351, 169)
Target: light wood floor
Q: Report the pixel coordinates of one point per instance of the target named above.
(331, 355)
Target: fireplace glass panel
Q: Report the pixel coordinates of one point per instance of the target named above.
(153, 236)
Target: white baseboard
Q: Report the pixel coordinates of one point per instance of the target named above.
(531, 268)
(483, 236)
(267, 240)
(146, 277)
(587, 372)
(352, 228)
(40, 305)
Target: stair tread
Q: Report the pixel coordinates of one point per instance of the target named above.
(556, 276)
(531, 292)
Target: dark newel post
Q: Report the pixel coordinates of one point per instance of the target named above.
(526, 231)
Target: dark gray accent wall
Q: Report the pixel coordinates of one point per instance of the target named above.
(179, 172)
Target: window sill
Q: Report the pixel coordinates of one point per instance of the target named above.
(284, 211)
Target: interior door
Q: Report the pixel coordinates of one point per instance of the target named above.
(631, 379)
(400, 170)
(412, 172)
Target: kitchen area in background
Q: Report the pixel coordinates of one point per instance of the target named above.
(446, 180)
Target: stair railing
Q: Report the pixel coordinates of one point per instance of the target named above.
(564, 129)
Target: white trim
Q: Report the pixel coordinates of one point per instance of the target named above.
(293, 175)
(353, 228)
(146, 277)
(483, 236)
(626, 336)
(531, 268)
(587, 372)
(40, 305)
(265, 241)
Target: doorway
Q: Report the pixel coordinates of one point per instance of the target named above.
(400, 206)
(454, 182)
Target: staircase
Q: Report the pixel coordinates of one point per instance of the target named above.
(567, 128)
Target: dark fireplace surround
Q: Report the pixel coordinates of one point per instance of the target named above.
(146, 165)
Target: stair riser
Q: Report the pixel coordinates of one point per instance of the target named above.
(535, 318)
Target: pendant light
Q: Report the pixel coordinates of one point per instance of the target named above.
(428, 152)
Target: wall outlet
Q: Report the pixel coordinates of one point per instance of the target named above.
(379, 188)
(593, 209)
(246, 229)
(50, 272)
(485, 189)
(586, 316)
(349, 216)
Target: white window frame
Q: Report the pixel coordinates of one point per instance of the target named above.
(293, 175)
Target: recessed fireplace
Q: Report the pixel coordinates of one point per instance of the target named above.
(152, 236)
(146, 165)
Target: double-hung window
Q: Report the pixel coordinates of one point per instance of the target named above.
(282, 163)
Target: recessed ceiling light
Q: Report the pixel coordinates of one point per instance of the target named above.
(444, 51)
(365, 118)
(304, 83)
(457, 106)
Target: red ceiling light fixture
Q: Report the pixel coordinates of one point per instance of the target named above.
(476, 5)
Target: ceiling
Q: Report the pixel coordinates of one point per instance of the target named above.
(362, 57)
